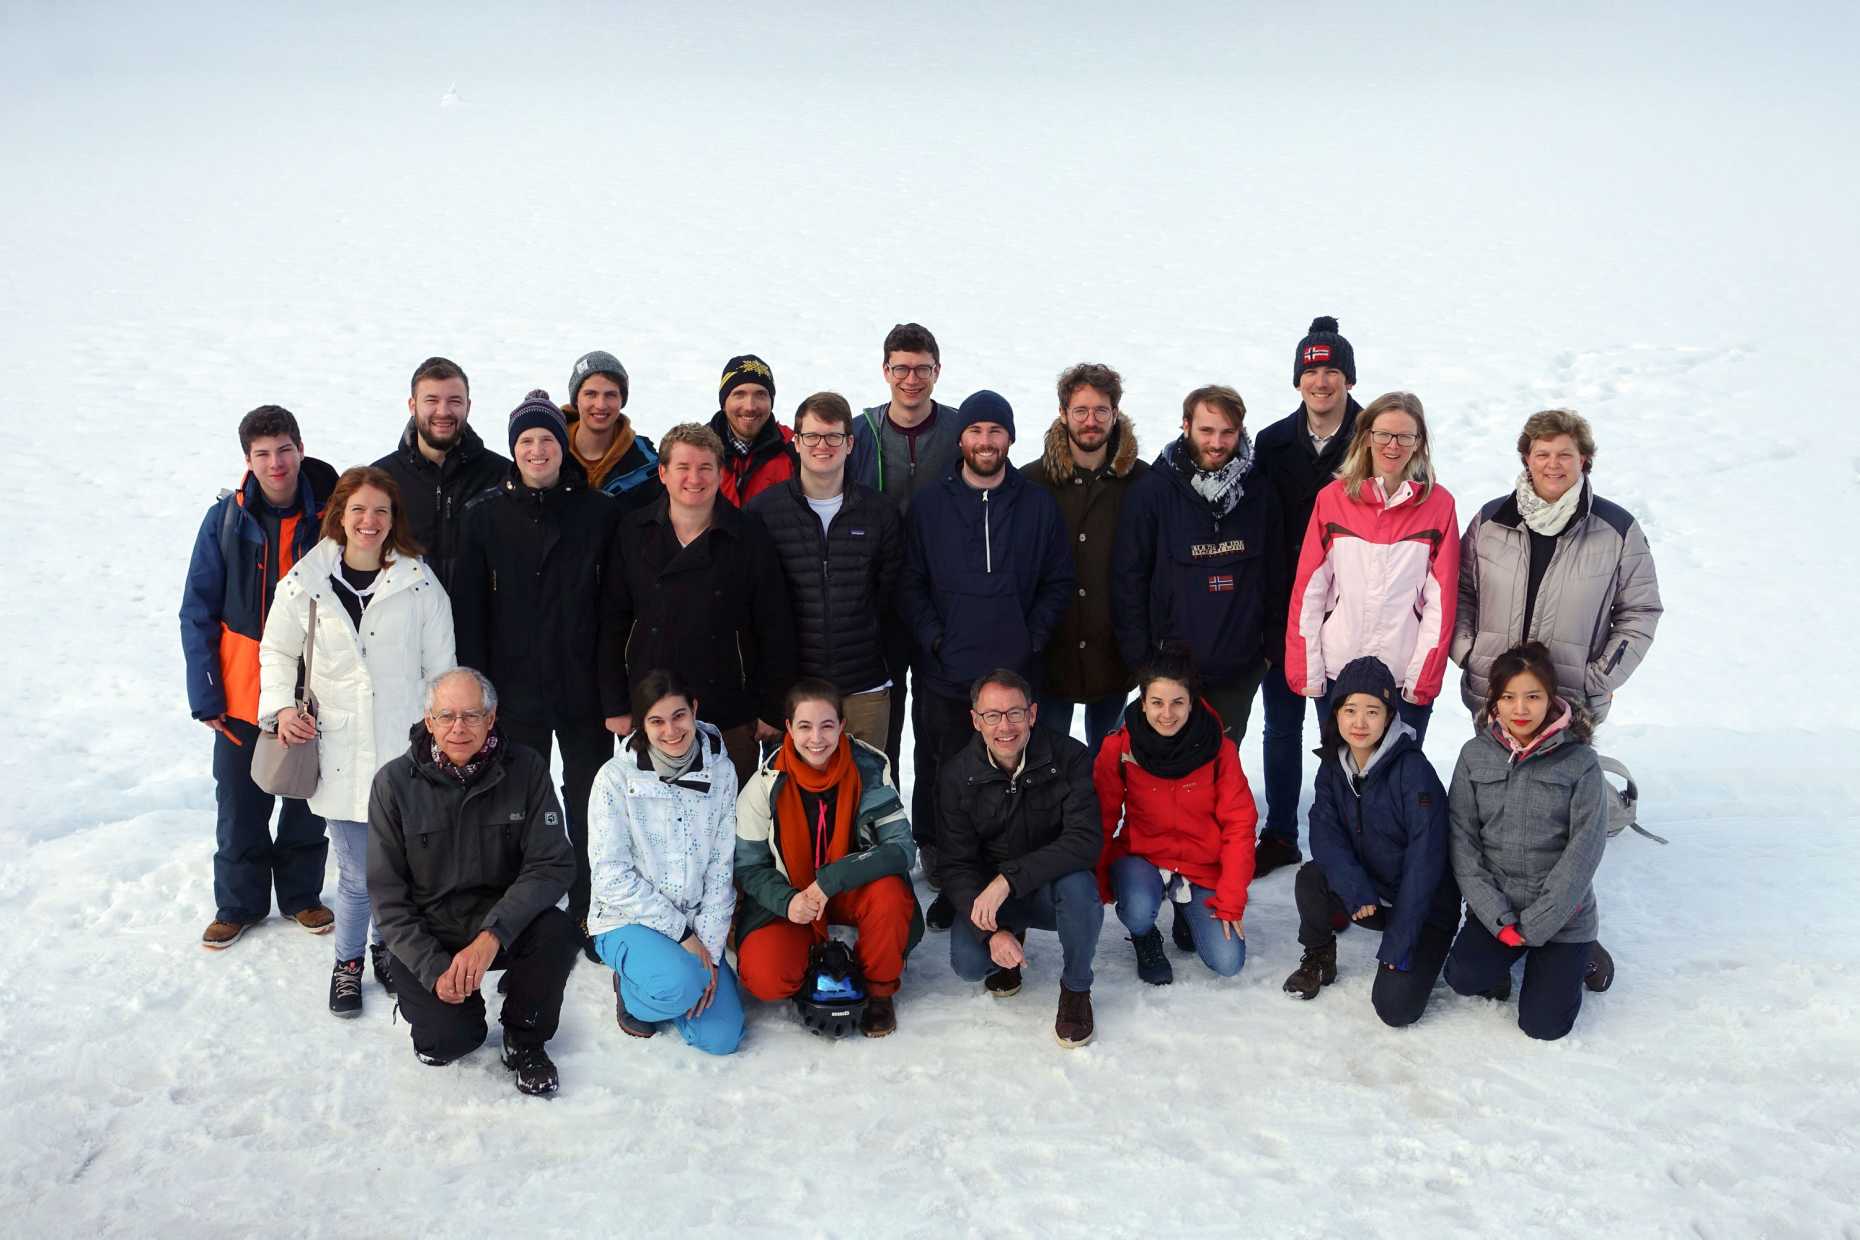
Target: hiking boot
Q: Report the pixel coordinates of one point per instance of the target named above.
(928, 858)
(1317, 968)
(1179, 931)
(1073, 1025)
(221, 935)
(1500, 992)
(1601, 974)
(345, 988)
(587, 944)
(630, 1024)
(316, 919)
(535, 1071)
(1003, 983)
(880, 1018)
(1272, 852)
(378, 961)
(1152, 961)
(941, 914)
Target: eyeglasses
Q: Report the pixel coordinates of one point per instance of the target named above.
(813, 439)
(1383, 439)
(471, 718)
(993, 718)
(1097, 413)
(902, 373)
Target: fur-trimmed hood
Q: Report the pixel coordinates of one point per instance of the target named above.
(1057, 458)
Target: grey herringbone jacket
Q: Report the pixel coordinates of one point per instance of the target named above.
(1527, 836)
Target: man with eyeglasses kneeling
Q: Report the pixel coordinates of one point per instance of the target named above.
(841, 546)
(467, 858)
(1020, 834)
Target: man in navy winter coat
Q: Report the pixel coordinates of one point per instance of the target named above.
(1196, 564)
(987, 576)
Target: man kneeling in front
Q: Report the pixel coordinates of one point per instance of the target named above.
(467, 858)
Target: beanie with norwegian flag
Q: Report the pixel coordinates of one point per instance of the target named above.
(1324, 346)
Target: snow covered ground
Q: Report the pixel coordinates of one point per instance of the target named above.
(1643, 213)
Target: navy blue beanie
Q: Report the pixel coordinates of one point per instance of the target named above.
(1368, 675)
(985, 406)
(1324, 345)
(538, 410)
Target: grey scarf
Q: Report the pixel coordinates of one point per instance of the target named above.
(1544, 517)
(668, 768)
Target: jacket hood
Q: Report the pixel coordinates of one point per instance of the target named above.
(322, 561)
(1397, 737)
(319, 476)
(420, 751)
(469, 445)
(1057, 457)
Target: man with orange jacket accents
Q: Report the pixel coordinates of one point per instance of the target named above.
(248, 541)
(758, 452)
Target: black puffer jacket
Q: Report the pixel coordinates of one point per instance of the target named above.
(447, 860)
(526, 595)
(435, 495)
(716, 612)
(1030, 830)
(843, 585)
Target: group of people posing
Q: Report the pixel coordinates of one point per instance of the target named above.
(748, 610)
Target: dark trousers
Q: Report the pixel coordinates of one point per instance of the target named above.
(898, 666)
(1233, 701)
(538, 963)
(941, 727)
(1070, 904)
(1398, 995)
(585, 748)
(1283, 747)
(247, 862)
(1102, 717)
(1552, 992)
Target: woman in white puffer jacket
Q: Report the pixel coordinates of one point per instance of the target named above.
(383, 626)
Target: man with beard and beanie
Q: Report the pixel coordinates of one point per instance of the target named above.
(466, 861)
(526, 606)
(617, 459)
(987, 575)
(1089, 465)
(758, 452)
(251, 537)
(440, 463)
(1300, 453)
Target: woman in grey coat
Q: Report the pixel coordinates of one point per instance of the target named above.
(1529, 819)
(1556, 563)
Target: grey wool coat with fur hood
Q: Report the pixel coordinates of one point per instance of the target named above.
(1082, 659)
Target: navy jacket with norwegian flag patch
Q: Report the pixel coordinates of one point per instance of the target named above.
(1185, 577)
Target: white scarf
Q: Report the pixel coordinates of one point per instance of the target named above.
(1543, 516)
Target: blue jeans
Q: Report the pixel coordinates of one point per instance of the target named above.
(1283, 745)
(660, 981)
(1139, 888)
(349, 841)
(1068, 904)
(1101, 717)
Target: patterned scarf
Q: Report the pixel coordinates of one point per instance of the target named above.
(465, 772)
(1221, 487)
(1540, 514)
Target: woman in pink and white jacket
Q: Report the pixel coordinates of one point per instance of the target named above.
(1379, 572)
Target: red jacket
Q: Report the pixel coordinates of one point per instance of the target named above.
(1200, 826)
(771, 461)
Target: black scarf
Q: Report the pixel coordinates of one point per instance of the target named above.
(1172, 757)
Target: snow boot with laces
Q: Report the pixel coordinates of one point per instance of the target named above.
(345, 988)
(1316, 969)
(1601, 971)
(1152, 962)
(378, 960)
(536, 1074)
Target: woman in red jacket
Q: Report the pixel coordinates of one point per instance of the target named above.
(1380, 570)
(1175, 781)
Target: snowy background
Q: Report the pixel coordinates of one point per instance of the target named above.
(1644, 213)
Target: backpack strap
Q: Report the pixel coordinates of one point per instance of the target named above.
(1624, 812)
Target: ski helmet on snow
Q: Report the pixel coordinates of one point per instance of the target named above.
(832, 998)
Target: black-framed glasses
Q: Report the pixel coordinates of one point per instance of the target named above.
(993, 718)
(902, 373)
(813, 439)
(1383, 439)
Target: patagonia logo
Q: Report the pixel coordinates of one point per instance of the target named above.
(1230, 547)
(1316, 353)
(857, 533)
(517, 817)
(1221, 583)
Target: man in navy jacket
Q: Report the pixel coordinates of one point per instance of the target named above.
(987, 576)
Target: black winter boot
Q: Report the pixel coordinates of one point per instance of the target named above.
(345, 988)
(378, 960)
(1316, 969)
(941, 914)
(1152, 962)
(1179, 930)
(1273, 852)
(1601, 974)
(535, 1071)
